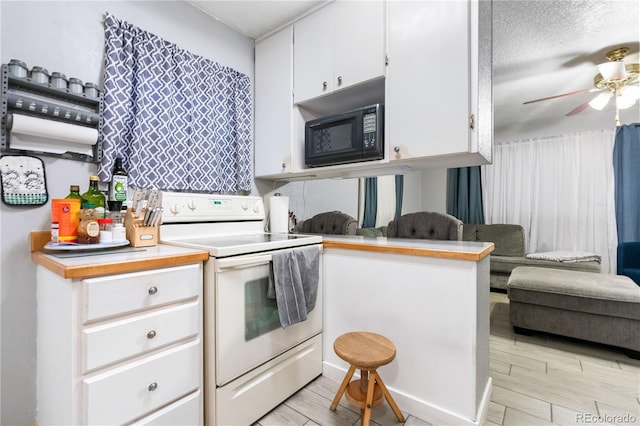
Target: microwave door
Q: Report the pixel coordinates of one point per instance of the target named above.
(336, 142)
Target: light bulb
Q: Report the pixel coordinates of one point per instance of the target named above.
(600, 101)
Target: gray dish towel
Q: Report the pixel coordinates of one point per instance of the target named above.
(293, 280)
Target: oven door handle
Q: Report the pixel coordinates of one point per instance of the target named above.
(241, 263)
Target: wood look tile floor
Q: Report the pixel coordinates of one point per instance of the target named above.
(537, 380)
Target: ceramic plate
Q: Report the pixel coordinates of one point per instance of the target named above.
(82, 247)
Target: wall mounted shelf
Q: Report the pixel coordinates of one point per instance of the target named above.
(24, 97)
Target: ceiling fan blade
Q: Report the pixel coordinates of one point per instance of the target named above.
(577, 92)
(578, 109)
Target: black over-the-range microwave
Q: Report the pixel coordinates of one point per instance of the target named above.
(345, 138)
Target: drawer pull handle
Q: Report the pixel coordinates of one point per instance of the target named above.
(153, 386)
(151, 334)
(153, 290)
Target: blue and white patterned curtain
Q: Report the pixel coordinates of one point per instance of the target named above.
(179, 121)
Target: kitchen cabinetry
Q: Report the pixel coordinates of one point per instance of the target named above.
(121, 348)
(438, 98)
(338, 46)
(274, 104)
(436, 87)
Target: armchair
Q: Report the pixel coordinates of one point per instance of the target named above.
(334, 222)
(426, 225)
(629, 260)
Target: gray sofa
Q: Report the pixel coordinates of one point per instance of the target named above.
(602, 308)
(510, 252)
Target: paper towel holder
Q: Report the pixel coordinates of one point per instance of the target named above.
(25, 96)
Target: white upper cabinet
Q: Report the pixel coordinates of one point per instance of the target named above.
(435, 107)
(274, 104)
(338, 46)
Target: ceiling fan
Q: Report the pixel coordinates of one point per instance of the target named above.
(614, 79)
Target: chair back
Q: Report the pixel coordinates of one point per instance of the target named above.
(335, 222)
(426, 225)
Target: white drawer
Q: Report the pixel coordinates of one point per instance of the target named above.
(115, 341)
(129, 392)
(108, 296)
(184, 412)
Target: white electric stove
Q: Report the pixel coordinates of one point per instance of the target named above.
(252, 364)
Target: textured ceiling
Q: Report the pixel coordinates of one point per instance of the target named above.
(540, 49)
(545, 48)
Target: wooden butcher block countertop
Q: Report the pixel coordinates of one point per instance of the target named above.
(461, 250)
(110, 261)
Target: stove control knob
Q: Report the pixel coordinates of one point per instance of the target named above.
(245, 206)
(256, 207)
(192, 205)
(174, 209)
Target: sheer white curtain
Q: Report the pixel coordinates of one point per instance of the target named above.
(560, 189)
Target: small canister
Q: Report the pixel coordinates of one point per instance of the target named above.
(106, 236)
(17, 68)
(40, 75)
(75, 85)
(58, 80)
(91, 90)
(119, 234)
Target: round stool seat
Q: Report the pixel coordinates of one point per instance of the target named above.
(364, 349)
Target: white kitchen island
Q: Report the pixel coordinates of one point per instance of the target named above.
(431, 298)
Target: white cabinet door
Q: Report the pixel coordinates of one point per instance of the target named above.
(358, 42)
(274, 104)
(338, 46)
(428, 103)
(313, 55)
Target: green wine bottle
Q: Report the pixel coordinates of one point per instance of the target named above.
(95, 197)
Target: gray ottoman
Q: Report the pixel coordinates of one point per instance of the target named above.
(596, 307)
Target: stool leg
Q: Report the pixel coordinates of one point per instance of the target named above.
(367, 408)
(342, 387)
(389, 398)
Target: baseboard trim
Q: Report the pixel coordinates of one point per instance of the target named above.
(422, 409)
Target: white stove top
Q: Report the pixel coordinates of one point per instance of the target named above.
(232, 245)
(225, 225)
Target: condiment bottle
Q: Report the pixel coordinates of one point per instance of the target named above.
(118, 186)
(74, 192)
(95, 197)
(89, 229)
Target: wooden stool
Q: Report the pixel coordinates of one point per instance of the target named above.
(365, 351)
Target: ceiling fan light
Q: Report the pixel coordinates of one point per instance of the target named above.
(600, 101)
(613, 71)
(628, 96)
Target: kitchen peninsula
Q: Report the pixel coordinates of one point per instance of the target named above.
(431, 298)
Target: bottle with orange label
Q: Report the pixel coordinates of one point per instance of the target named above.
(65, 216)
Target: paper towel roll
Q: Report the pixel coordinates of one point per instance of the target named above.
(38, 134)
(279, 213)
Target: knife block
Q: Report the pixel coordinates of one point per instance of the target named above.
(138, 234)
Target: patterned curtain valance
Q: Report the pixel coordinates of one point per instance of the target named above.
(179, 121)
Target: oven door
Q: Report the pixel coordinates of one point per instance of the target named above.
(248, 330)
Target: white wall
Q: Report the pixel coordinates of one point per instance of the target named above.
(434, 190)
(68, 36)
